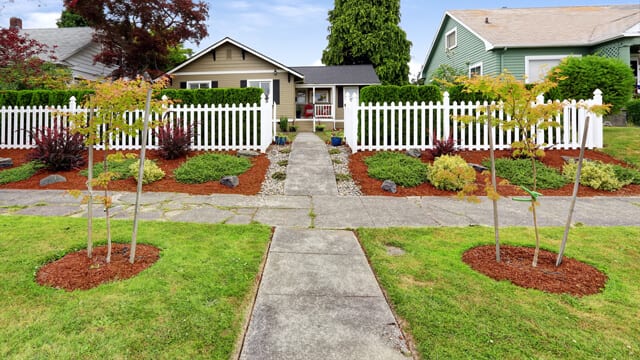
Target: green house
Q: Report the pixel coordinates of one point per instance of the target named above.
(529, 42)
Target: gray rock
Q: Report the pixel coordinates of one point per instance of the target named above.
(569, 159)
(607, 123)
(414, 153)
(478, 167)
(247, 153)
(52, 179)
(389, 186)
(230, 181)
(6, 162)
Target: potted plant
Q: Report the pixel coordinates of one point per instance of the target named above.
(336, 138)
(320, 127)
(281, 139)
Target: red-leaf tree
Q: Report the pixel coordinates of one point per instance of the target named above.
(28, 64)
(137, 35)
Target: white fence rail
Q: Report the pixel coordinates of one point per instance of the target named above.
(405, 126)
(216, 128)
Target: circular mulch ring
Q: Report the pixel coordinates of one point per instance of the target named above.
(571, 277)
(75, 271)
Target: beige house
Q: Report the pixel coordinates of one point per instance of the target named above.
(301, 93)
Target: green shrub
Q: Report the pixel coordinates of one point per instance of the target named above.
(395, 94)
(22, 172)
(451, 172)
(279, 175)
(633, 111)
(150, 173)
(400, 168)
(458, 94)
(627, 175)
(579, 77)
(284, 124)
(41, 97)
(215, 96)
(595, 174)
(519, 172)
(210, 167)
(118, 164)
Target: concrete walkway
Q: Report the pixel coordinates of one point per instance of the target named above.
(309, 171)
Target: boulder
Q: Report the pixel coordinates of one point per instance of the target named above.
(230, 181)
(389, 186)
(478, 167)
(6, 162)
(247, 153)
(414, 153)
(52, 179)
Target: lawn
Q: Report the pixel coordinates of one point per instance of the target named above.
(191, 304)
(453, 312)
(623, 143)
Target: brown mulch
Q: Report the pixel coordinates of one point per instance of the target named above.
(75, 271)
(571, 277)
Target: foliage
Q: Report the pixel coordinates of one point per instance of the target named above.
(623, 143)
(174, 140)
(443, 147)
(138, 36)
(41, 97)
(579, 77)
(633, 111)
(595, 174)
(151, 171)
(117, 164)
(210, 167)
(451, 172)
(284, 124)
(22, 65)
(58, 149)
(68, 18)
(22, 172)
(177, 55)
(626, 175)
(399, 168)
(460, 93)
(519, 172)
(209, 270)
(447, 312)
(446, 75)
(365, 32)
(215, 96)
(396, 94)
(279, 175)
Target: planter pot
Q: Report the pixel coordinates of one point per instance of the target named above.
(281, 140)
(336, 141)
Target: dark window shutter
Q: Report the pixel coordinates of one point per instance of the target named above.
(243, 83)
(340, 91)
(183, 84)
(276, 91)
(214, 84)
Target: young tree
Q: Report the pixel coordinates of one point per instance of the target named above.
(524, 114)
(366, 32)
(22, 65)
(68, 18)
(138, 35)
(112, 100)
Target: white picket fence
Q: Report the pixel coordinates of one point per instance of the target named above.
(404, 126)
(216, 128)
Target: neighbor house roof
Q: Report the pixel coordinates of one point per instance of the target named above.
(239, 45)
(339, 75)
(65, 42)
(550, 26)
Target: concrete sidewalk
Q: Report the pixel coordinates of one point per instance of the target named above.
(309, 171)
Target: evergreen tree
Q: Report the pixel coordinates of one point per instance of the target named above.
(69, 18)
(368, 32)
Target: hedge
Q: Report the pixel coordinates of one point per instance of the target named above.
(215, 96)
(395, 94)
(40, 97)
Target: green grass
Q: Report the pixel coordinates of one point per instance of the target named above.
(453, 312)
(623, 143)
(519, 172)
(22, 172)
(210, 167)
(400, 168)
(190, 304)
(120, 168)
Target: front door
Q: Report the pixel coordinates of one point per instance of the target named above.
(351, 93)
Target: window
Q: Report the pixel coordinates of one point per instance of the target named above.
(198, 84)
(537, 67)
(265, 85)
(475, 69)
(451, 39)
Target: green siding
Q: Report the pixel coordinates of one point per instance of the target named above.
(513, 59)
(470, 50)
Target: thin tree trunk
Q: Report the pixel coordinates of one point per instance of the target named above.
(106, 209)
(533, 211)
(143, 144)
(574, 195)
(90, 203)
(494, 185)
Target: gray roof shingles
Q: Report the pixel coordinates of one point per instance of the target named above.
(67, 41)
(338, 75)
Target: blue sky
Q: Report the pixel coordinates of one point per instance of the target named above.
(294, 32)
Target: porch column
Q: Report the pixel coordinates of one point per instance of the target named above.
(313, 102)
(334, 104)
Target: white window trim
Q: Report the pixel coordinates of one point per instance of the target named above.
(270, 81)
(208, 82)
(478, 64)
(542, 57)
(446, 36)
